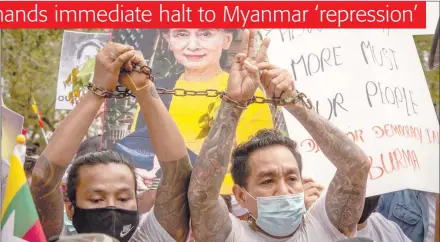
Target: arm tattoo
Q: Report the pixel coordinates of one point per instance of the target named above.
(171, 206)
(345, 197)
(153, 92)
(209, 214)
(45, 188)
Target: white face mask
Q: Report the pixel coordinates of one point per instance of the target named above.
(237, 210)
(280, 215)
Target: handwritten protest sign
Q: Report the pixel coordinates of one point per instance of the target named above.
(371, 85)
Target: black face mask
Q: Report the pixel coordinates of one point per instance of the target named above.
(112, 221)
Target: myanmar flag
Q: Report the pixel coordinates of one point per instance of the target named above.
(37, 112)
(19, 220)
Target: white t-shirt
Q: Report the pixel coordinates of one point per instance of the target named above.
(380, 229)
(315, 227)
(149, 230)
(432, 200)
(143, 217)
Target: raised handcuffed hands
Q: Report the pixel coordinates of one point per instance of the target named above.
(109, 62)
(277, 82)
(135, 79)
(244, 75)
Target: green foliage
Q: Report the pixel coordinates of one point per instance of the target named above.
(423, 44)
(30, 60)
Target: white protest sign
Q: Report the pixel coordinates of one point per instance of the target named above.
(371, 85)
(76, 49)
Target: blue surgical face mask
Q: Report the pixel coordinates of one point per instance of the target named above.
(280, 215)
(69, 224)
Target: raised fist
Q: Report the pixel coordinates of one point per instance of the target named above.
(135, 79)
(277, 82)
(109, 62)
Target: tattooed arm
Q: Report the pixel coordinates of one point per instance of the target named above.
(171, 206)
(50, 167)
(58, 154)
(345, 196)
(209, 214)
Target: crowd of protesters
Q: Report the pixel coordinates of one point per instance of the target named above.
(79, 188)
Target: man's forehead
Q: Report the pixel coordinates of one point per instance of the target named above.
(107, 188)
(111, 171)
(270, 158)
(105, 182)
(272, 153)
(276, 171)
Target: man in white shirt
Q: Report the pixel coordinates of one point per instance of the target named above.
(101, 186)
(267, 169)
(375, 226)
(380, 229)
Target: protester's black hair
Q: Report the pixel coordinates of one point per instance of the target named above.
(240, 169)
(92, 144)
(369, 207)
(91, 159)
(89, 145)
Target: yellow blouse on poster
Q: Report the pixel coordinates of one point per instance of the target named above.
(194, 116)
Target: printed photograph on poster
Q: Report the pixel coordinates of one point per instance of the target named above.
(188, 59)
(76, 49)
